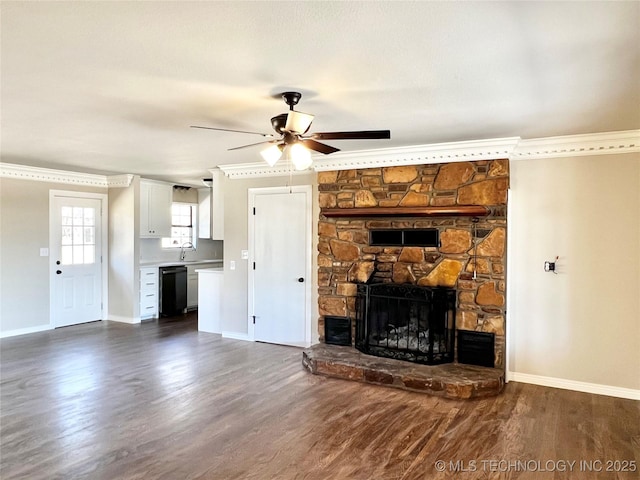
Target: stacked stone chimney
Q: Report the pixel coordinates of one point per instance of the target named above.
(345, 257)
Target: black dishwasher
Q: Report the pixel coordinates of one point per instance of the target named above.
(173, 290)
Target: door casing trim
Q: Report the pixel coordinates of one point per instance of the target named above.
(252, 193)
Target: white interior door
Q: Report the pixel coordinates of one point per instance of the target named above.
(76, 268)
(281, 249)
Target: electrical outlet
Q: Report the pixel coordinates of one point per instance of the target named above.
(232, 265)
(44, 252)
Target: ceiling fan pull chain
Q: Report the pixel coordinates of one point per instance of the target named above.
(290, 180)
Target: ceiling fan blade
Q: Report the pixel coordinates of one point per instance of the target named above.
(267, 135)
(361, 135)
(298, 122)
(250, 145)
(319, 147)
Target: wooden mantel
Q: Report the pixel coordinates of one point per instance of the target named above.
(452, 211)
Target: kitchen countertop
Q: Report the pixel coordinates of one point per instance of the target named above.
(210, 270)
(183, 263)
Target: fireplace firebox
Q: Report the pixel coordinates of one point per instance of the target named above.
(406, 322)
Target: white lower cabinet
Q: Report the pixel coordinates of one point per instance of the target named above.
(192, 287)
(209, 309)
(149, 288)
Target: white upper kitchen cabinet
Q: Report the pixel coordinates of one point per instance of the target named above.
(204, 212)
(211, 208)
(155, 209)
(217, 205)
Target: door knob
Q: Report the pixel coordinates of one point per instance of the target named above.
(301, 279)
(57, 262)
(58, 272)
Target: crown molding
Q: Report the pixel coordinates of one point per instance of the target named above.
(39, 174)
(115, 181)
(259, 169)
(627, 141)
(385, 157)
(419, 155)
(513, 148)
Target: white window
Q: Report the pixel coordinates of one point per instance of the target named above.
(183, 225)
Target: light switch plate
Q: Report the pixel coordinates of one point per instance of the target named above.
(232, 265)
(44, 252)
(244, 254)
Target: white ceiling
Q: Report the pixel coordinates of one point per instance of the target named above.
(112, 87)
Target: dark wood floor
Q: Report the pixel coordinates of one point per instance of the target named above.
(162, 401)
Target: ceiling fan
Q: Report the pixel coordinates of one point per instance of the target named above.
(292, 140)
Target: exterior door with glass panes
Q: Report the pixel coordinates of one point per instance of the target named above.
(76, 256)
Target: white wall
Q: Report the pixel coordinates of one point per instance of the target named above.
(235, 300)
(124, 231)
(583, 324)
(24, 274)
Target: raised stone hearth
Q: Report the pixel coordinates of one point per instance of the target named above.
(451, 380)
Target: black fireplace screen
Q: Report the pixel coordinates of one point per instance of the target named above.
(406, 322)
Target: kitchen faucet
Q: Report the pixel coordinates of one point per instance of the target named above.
(183, 252)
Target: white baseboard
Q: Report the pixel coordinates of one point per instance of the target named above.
(121, 319)
(24, 331)
(595, 388)
(236, 336)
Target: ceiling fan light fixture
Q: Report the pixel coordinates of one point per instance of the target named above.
(298, 122)
(300, 156)
(271, 155)
(292, 142)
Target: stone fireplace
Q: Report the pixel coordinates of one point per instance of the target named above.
(464, 201)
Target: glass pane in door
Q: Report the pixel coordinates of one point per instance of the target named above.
(78, 235)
